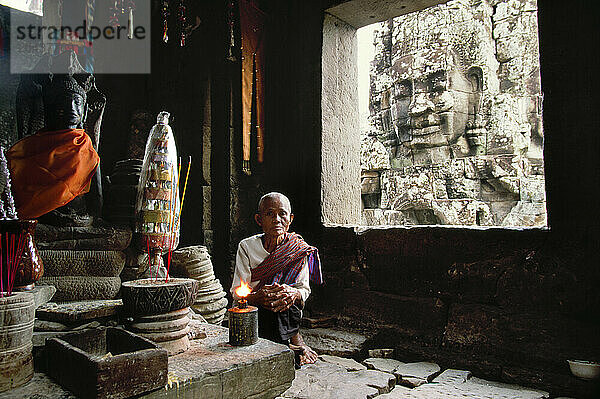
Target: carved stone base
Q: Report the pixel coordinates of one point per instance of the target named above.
(83, 274)
(169, 330)
(17, 312)
(101, 237)
(83, 263)
(79, 288)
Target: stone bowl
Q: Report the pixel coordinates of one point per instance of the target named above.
(151, 297)
(584, 369)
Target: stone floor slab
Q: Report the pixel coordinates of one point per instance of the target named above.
(381, 364)
(327, 341)
(415, 374)
(327, 380)
(452, 376)
(348, 364)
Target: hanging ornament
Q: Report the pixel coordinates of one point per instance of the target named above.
(131, 7)
(230, 22)
(182, 22)
(113, 20)
(165, 15)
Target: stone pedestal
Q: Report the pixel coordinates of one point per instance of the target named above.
(169, 330)
(16, 328)
(83, 263)
(160, 310)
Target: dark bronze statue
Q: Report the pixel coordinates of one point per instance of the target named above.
(56, 101)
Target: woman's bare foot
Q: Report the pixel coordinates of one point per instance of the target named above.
(307, 355)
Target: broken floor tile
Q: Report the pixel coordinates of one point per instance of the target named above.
(348, 364)
(384, 382)
(324, 380)
(423, 370)
(385, 365)
(508, 390)
(411, 382)
(327, 341)
(472, 391)
(453, 376)
(399, 392)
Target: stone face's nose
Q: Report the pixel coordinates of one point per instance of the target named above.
(421, 112)
(420, 105)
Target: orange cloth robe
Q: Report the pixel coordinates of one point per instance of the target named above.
(50, 168)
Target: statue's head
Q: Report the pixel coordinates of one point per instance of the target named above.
(64, 102)
(435, 102)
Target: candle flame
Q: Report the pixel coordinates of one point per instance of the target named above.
(243, 290)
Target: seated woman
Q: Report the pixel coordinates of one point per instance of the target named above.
(278, 266)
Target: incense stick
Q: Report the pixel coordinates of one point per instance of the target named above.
(10, 259)
(173, 209)
(187, 175)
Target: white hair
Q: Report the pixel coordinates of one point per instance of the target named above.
(275, 195)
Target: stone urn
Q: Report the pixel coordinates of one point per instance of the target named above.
(160, 310)
(17, 312)
(30, 267)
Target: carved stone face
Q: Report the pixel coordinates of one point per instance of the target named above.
(64, 104)
(432, 105)
(71, 110)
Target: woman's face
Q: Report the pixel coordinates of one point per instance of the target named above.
(274, 217)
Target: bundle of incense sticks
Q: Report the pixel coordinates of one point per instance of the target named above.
(11, 249)
(175, 223)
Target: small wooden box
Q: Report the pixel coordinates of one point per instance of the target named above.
(79, 362)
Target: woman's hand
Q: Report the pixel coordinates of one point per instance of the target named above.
(275, 297)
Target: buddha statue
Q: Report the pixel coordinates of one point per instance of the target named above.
(52, 101)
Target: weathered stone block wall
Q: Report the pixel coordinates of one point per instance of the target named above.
(340, 127)
(512, 305)
(455, 103)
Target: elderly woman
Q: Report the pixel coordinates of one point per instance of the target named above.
(278, 266)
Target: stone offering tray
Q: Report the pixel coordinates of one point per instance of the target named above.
(106, 363)
(151, 297)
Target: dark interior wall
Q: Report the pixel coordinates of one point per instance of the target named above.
(187, 100)
(569, 68)
(193, 83)
(507, 304)
(293, 134)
